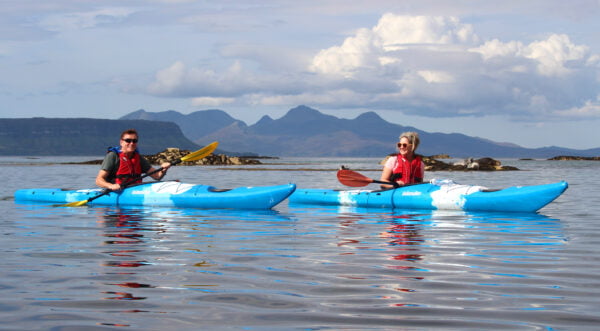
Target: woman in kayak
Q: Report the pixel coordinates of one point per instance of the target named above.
(406, 167)
(124, 165)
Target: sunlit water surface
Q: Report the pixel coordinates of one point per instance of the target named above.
(298, 267)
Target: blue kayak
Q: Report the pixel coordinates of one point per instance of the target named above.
(441, 194)
(166, 194)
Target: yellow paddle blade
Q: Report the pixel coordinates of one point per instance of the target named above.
(75, 204)
(201, 153)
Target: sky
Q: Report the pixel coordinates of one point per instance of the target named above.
(521, 72)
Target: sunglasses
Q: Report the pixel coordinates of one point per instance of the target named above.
(403, 145)
(129, 141)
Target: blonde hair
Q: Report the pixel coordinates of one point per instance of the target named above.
(412, 137)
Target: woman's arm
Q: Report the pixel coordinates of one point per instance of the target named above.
(386, 173)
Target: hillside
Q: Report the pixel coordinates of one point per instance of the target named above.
(84, 136)
(196, 125)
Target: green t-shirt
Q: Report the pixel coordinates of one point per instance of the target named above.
(111, 164)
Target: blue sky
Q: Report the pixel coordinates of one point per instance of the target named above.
(526, 73)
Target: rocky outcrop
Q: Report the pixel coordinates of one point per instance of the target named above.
(440, 156)
(171, 154)
(469, 164)
(575, 158)
(484, 164)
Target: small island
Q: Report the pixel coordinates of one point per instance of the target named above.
(574, 158)
(173, 153)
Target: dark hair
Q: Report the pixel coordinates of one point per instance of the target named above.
(129, 131)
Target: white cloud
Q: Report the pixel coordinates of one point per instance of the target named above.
(343, 60)
(431, 76)
(496, 48)
(591, 109)
(169, 79)
(370, 49)
(394, 31)
(551, 56)
(420, 65)
(432, 64)
(175, 1)
(180, 81)
(84, 20)
(593, 60)
(211, 102)
(340, 97)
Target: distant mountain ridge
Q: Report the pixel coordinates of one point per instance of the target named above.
(195, 125)
(304, 131)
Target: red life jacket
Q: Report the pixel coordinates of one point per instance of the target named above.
(408, 172)
(129, 169)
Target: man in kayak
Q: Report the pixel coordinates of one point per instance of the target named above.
(124, 164)
(406, 167)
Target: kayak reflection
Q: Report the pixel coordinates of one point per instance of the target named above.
(144, 242)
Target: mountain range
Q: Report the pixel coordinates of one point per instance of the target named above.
(304, 131)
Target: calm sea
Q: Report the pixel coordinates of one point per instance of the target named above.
(308, 268)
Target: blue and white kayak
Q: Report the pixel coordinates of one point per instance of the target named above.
(439, 194)
(166, 194)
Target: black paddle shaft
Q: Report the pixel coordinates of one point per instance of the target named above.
(131, 181)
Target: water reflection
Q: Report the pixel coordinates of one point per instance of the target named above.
(393, 239)
(426, 253)
(122, 296)
(185, 241)
(125, 232)
(401, 232)
(403, 235)
(340, 268)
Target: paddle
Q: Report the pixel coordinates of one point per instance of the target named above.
(354, 179)
(197, 155)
